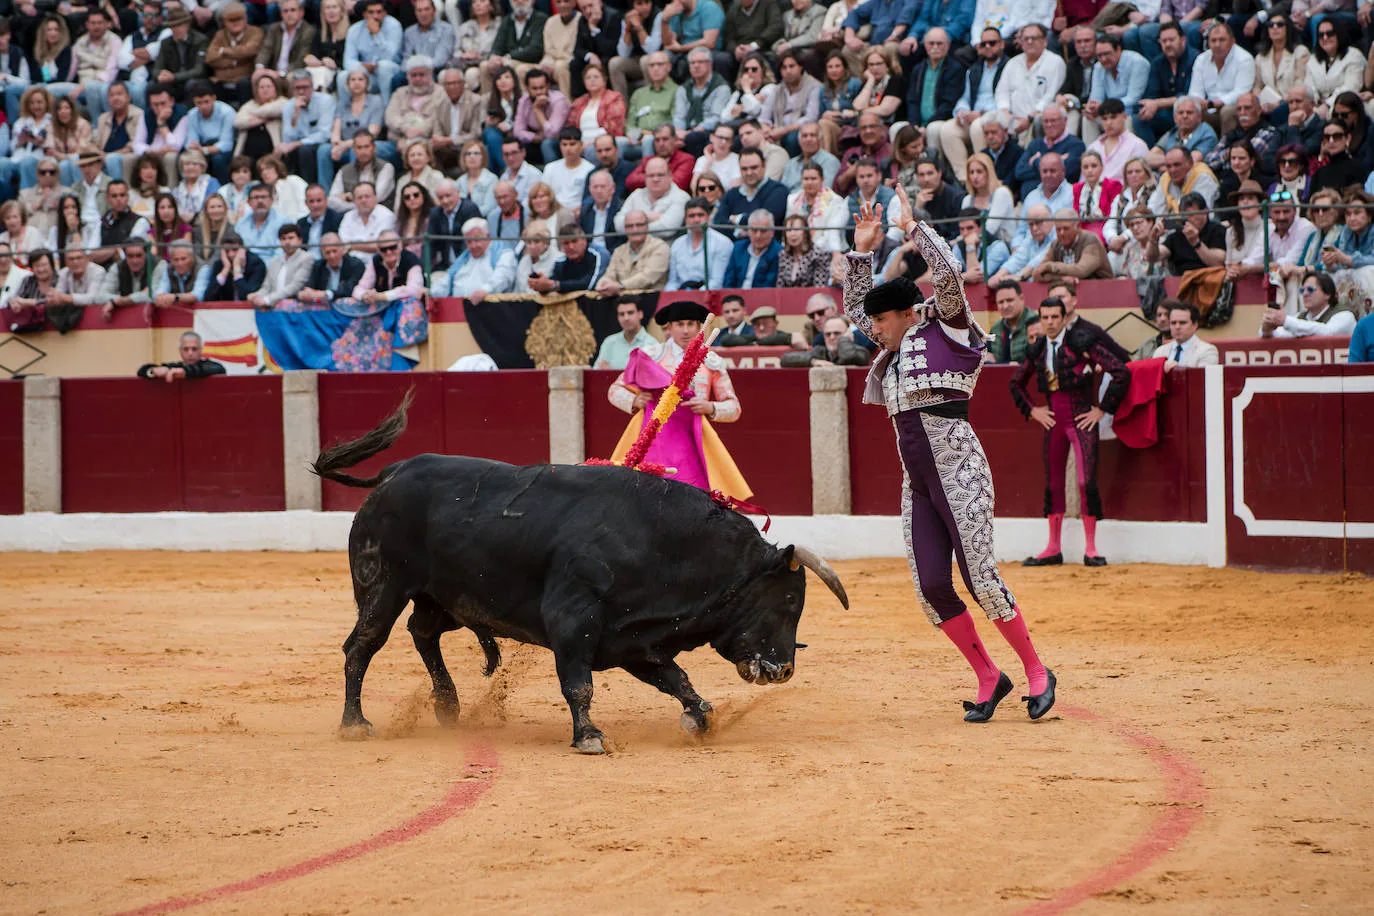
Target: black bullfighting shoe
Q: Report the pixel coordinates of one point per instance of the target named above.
(1041, 703)
(981, 712)
(1054, 559)
(1094, 560)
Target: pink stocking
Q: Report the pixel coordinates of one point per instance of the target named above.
(1014, 632)
(961, 632)
(1056, 527)
(1090, 536)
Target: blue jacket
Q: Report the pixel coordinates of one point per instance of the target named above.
(948, 87)
(884, 16)
(771, 196)
(765, 275)
(954, 16)
(1027, 174)
(1362, 341)
(611, 240)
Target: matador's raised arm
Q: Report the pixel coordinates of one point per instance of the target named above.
(858, 280)
(950, 302)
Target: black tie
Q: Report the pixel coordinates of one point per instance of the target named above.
(1178, 353)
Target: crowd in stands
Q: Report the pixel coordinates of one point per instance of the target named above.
(309, 150)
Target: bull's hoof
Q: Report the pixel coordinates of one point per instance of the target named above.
(357, 731)
(446, 711)
(594, 744)
(697, 724)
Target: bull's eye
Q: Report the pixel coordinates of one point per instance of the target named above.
(791, 599)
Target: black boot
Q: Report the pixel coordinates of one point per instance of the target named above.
(981, 712)
(1054, 559)
(1041, 703)
(1094, 560)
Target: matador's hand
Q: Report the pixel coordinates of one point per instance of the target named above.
(1086, 421)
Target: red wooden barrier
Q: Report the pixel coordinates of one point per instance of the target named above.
(11, 447)
(501, 415)
(604, 424)
(1281, 351)
(232, 445)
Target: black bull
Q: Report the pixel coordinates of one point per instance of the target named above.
(607, 567)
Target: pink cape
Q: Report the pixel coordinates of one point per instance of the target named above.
(678, 445)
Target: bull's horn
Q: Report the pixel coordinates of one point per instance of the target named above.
(804, 556)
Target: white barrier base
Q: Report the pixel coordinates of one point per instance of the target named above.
(836, 537)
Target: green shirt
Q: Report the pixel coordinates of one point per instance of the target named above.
(1009, 348)
(615, 350)
(928, 93)
(648, 108)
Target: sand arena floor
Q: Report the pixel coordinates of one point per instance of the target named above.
(167, 738)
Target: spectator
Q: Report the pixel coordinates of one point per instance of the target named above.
(797, 101)
(414, 110)
(980, 254)
(97, 60)
(1304, 126)
(737, 327)
(1053, 191)
(651, 104)
(568, 176)
(1198, 242)
(580, 267)
(599, 112)
(1007, 341)
(1073, 96)
(1169, 81)
(890, 20)
(977, 102)
(988, 196)
(560, 40)
(258, 122)
(1355, 247)
(826, 213)
(362, 226)
(82, 282)
(1280, 64)
(143, 185)
(1076, 252)
(12, 279)
(1116, 145)
(752, 136)
(392, 273)
(708, 187)
(507, 219)
(366, 167)
(40, 201)
(1162, 337)
(429, 36)
(1362, 341)
(870, 190)
(935, 87)
(1095, 195)
(753, 263)
(518, 172)
(639, 264)
(1189, 131)
(544, 206)
(475, 38)
(598, 33)
(884, 89)
(696, 259)
(162, 131)
(192, 364)
(71, 133)
(180, 59)
(1348, 110)
(700, 102)
(503, 104)
(615, 350)
(18, 234)
(114, 131)
(287, 272)
(20, 310)
(361, 113)
(119, 224)
(837, 346)
(1127, 255)
(746, 32)
(597, 219)
(1288, 238)
(1335, 66)
(1056, 140)
(481, 270)
(374, 44)
(767, 333)
(809, 143)
(838, 91)
(460, 118)
(167, 225)
(800, 263)
(421, 170)
(446, 223)
(1031, 80)
(238, 274)
(660, 199)
(1221, 76)
(320, 220)
(1251, 129)
(29, 139)
(1004, 151)
(286, 44)
(210, 226)
(1327, 221)
(1336, 168)
(1182, 176)
(1185, 348)
(940, 199)
(334, 276)
(288, 190)
(539, 258)
(258, 229)
(873, 144)
(1322, 313)
(540, 115)
(210, 128)
(718, 158)
(1119, 74)
(231, 53)
(666, 146)
(72, 228)
(1027, 251)
(1245, 238)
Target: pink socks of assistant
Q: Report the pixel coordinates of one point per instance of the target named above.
(1056, 529)
(1090, 536)
(962, 633)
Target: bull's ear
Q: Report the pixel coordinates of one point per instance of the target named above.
(787, 556)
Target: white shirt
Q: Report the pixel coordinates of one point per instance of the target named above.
(588, 123)
(524, 179)
(353, 228)
(1196, 352)
(1054, 345)
(672, 207)
(1235, 78)
(1341, 324)
(727, 169)
(1025, 91)
(568, 183)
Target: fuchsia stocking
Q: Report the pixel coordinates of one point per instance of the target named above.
(1056, 527)
(1014, 632)
(1090, 536)
(961, 632)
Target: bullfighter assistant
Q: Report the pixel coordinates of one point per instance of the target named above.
(925, 374)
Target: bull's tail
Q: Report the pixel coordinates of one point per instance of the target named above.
(347, 454)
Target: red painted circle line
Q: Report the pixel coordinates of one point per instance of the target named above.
(1184, 796)
(482, 767)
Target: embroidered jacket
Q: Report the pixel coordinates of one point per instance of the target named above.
(711, 383)
(938, 361)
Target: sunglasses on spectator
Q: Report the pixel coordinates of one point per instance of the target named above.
(1334, 135)
(1289, 160)
(1327, 33)
(387, 249)
(47, 171)
(751, 69)
(1309, 288)
(1281, 197)
(707, 186)
(989, 44)
(819, 312)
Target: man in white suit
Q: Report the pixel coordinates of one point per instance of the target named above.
(1186, 349)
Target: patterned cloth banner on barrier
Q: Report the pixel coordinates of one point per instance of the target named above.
(501, 325)
(303, 335)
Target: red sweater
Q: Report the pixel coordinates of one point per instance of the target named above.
(680, 166)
